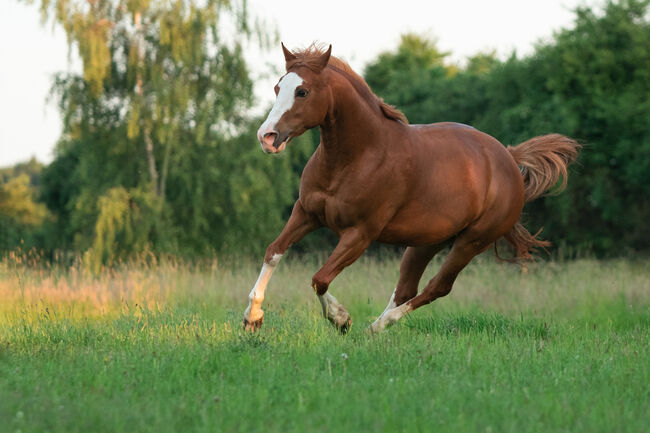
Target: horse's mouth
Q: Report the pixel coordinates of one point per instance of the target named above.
(281, 140)
(279, 144)
(277, 149)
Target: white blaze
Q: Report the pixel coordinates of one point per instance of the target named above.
(283, 103)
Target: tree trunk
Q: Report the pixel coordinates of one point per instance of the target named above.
(165, 169)
(151, 159)
(148, 142)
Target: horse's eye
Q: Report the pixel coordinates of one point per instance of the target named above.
(301, 93)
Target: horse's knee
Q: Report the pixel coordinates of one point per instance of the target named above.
(273, 254)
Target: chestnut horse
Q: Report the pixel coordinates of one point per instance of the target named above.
(374, 177)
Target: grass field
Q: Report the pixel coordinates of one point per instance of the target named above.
(158, 347)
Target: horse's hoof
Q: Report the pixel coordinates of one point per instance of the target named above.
(375, 328)
(342, 321)
(345, 327)
(372, 330)
(254, 325)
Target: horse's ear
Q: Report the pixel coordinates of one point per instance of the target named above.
(324, 58)
(288, 55)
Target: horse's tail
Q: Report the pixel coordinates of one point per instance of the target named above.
(543, 162)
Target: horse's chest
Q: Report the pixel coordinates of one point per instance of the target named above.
(332, 211)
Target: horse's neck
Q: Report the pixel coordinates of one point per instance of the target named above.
(352, 128)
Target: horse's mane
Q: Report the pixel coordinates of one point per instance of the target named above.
(309, 57)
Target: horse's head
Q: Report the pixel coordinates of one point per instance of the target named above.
(302, 101)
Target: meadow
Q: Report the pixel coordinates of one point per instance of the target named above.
(157, 346)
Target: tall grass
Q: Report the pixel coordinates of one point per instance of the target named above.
(156, 345)
(575, 287)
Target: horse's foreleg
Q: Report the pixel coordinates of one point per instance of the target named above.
(350, 247)
(299, 224)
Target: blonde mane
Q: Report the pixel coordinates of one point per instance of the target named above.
(309, 57)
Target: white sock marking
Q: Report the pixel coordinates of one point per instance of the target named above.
(254, 311)
(389, 317)
(275, 259)
(333, 310)
(329, 304)
(391, 302)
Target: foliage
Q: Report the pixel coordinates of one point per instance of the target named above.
(31, 168)
(158, 121)
(404, 78)
(17, 204)
(156, 138)
(122, 226)
(21, 215)
(591, 83)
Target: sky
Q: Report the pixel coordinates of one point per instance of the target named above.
(30, 53)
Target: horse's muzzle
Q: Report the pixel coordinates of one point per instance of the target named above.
(273, 142)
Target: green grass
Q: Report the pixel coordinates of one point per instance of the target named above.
(158, 347)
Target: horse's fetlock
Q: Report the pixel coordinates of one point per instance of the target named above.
(319, 286)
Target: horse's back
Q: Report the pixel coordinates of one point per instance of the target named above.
(457, 143)
(465, 144)
(441, 125)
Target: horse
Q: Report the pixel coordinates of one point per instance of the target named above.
(374, 177)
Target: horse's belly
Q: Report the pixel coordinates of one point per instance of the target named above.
(423, 229)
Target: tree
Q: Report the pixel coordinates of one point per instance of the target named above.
(157, 149)
(156, 68)
(410, 77)
(591, 82)
(20, 214)
(158, 153)
(598, 75)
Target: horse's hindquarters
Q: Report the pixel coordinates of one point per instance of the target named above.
(458, 177)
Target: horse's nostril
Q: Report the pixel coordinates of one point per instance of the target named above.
(269, 138)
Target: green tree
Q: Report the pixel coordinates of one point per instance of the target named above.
(410, 77)
(598, 76)
(157, 151)
(31, 168)
(156, 68)
(590, 82)
(20, 215)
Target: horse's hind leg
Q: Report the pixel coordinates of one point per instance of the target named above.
(460, 255)
(414, 262)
